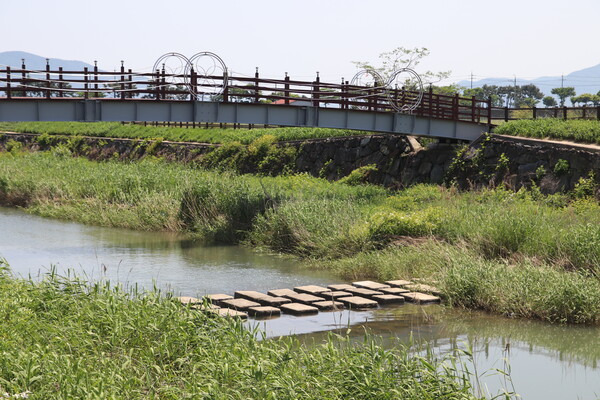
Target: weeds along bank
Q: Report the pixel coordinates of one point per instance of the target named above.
(583, 131)
(63, 339)
(522, 254)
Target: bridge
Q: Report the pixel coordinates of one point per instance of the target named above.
(195, 93)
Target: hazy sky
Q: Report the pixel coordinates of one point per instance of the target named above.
(526, 38)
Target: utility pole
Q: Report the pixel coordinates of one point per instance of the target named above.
(562, 80)
(471, 79)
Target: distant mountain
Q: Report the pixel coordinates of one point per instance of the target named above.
(584, 81)
(35, 62)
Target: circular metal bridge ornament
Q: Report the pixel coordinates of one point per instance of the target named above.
(365, 83)
(173, 68)
(404, 90)
(211, 75)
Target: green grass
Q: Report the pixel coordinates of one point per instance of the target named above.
(331, 221)
(131, 131)
(64, 339)
(584, 131)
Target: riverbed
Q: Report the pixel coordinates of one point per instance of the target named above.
(544, 361)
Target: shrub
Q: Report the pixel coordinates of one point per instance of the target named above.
(561, 167)
(359, 176)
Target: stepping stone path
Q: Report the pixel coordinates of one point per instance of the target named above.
(311, 299)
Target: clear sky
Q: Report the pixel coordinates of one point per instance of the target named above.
(526, 38)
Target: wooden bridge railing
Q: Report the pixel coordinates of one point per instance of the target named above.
(125, 85)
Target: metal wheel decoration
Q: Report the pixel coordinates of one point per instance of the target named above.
(404, 90)
(365, 83)
(172, 68)
(211, 75)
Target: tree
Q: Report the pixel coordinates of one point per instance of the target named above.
(584, 98)
(549, 101)
(528, 95)
(402, 57)
(563, 93)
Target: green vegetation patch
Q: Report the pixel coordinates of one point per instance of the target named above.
(584, 131)
(171, 133)
(64, 339)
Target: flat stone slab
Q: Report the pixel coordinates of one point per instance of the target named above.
(264, 311)
(335, 294)
(311, 289)
(249, 295)
(394, 290)
(280, 292)
(304, 298)
(370, 285)
(298, 309)
(329, 305)
(218, 297)
(357, 302)
(420, 298)
(340, 286)
(188, 300)
(273, 301)
(228, 313)
(388, 299)
(398, 283)
(363, 292)
(239, 304)
(421, 287)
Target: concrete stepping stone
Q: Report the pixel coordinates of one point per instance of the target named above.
(263, 299)
(335, 294)
(228, 313)
(329, 305)
(298, 309)
(421, 287)
(370, 285)
(340, 286)
(388, 299)
(363, 292)
(311, 289)
(398, 283)
(218, 298)
(239, 304)
(280, 292)
(420, 298)
(355, 302)
(304, 298)
(264, 311)
(188, 300)
(394, 290)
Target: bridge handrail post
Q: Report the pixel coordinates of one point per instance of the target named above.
(430, 101)
(256, 79)
(316, 88)
(225, 89)
(193, 84)
(96, 92)
(555, 112)
(473, 104)
(85, 84)
(534, 112)
(122, 81)
(598, 112)
(505, 114)
(286, 89)
(163, 81)
(565, 113)
(60, 81)
(583, 112)
(48, 93)
(8, 91)
(23, 78)
(157, 86)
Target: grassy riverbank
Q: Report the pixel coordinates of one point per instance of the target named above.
(63, 339)
(520, 254)
(583, 131)
(172, 133)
